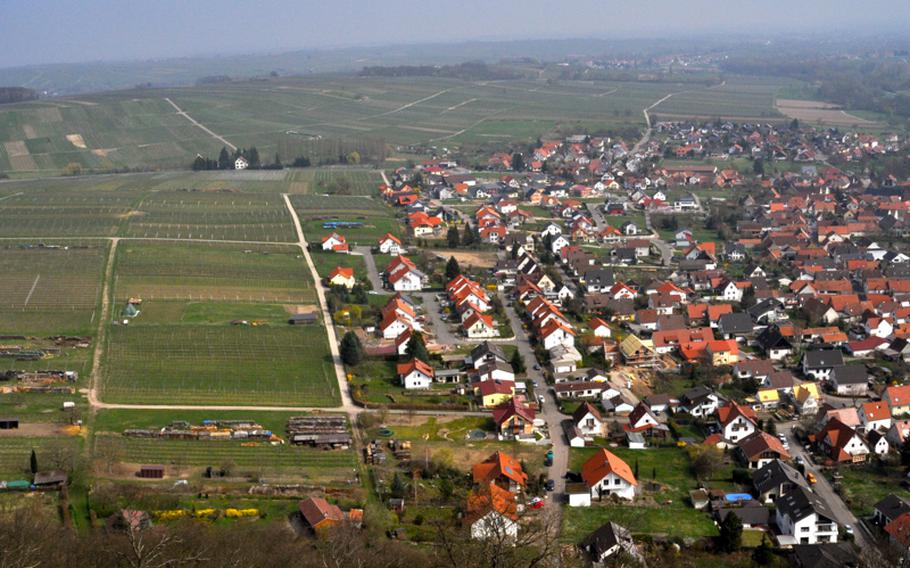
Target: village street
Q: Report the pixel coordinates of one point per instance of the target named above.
(372, 271)
(824, 490)
(441, 329)
(550, 410)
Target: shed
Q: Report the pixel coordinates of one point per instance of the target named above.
(151, 472)
(9, 423)
(50, 479)
(579, 494)
(303, 319)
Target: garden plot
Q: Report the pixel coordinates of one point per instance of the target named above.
(49, 291)
(212, 272)
(230, 365)
(212, 215)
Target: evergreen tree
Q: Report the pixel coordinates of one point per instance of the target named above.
(731, 534)
(277, 161)
(33, 462)
(452, 268)
(467, 238)
(518, 363)
(762, 555)
(636, 468)
(771, 427)
(224, 159)
(905, 452)
(453, 237)
(518, 162)
(253, 158)
(758, 167)
(417, 348)
(199, 163)
(351, 349)
(398, 487)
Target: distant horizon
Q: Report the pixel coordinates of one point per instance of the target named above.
(128, 31)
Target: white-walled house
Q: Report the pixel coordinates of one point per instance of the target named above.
(606, 474)
(415, 374)
(805, 518)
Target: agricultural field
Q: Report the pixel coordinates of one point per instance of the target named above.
(47, 291)
(230, 365)
(220, 214)
(737, 98)
(63, 208)
(348, 181)
(376, 217)
(212, 272)
(53, 452)
(301, 464)
(141, 128)
(816, 112)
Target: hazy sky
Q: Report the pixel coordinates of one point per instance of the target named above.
(46, 31)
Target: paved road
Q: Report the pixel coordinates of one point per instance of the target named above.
(372, 271)
(205, 129)
(825, 491)
(441, 330)
(550, 411)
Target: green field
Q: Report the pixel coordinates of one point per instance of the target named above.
(325, 262)
(376, 217)
(212, 272)
(50, 291)
(737, 98)
(233, 365)
(321, 181)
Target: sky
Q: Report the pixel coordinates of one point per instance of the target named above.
(66, 31)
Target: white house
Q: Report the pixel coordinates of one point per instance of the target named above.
(494, 525)
(334, 242)
(588, 421)
(480, 326)
(393, 326)
(555, 333)
(415, 374)
(730, 292)
(606, 474)
(406, 281)
(558, 244)
(875, 416)
(552, 229)
(241, 163)
(805, 518)
(390, 244)
(736, 422)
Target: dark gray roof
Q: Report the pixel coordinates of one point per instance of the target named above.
(752, 513)
(599, 277)
(605, 538)
(893, 506)
(824, 359)
(850, 374)
(738, 322)
(486, 348)
(775, 474)
(826, 555)
(801, 503)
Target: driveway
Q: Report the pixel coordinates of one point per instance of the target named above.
(441, 329)
(825, 491)
(372, 271)
(550, 411)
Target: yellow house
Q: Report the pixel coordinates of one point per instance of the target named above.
(494, 393)
(768, 398)
(342, 276)
(723, 352)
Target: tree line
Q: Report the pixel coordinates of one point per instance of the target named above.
(17, 95)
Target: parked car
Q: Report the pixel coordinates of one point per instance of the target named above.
(810, 477)
(550, 485)
(536, 503)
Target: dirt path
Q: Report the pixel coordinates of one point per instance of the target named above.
(183, 113)
(94, 377)
(347, 404)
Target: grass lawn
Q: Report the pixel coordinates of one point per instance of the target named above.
(862, 486)
(327, 261)
(664, 512)
(52, 453)
(168, 312)
(219, 365)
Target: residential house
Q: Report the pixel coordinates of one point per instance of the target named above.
(736, 422)
(415, 374)
(588, 421)
(842, 443)
(514, 419)
(819, 364)
(759, 449)
(804, 518)
(500, 469)
(318, 514)
(604, 473)
(608, 541)
(341, 276)
(775, 479)
(850, 380)
(492, 514)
